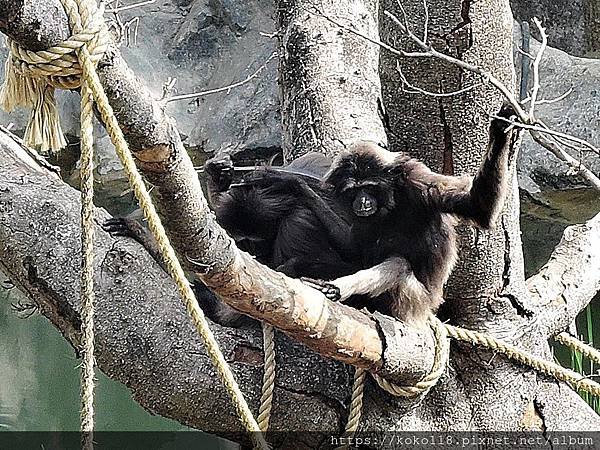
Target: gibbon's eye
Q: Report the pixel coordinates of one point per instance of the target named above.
(364, 204)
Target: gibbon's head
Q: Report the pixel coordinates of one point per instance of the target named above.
(362, 178)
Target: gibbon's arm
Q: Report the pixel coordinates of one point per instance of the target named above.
(480, 198)
(394, 273)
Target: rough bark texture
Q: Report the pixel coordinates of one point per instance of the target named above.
(330, 87)
(144, 339)
(592, 26)
(487, 289)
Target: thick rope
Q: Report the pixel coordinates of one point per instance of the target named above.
(572, 342)
(576, 380)
(31, 76)
(168, 254)
(440, 360)
(87, 270)
(356, 405)
(268, 384)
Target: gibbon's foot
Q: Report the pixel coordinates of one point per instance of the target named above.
(219, 166)
(121, 226)
(331, 291)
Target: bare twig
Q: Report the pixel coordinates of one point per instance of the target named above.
(541, 127)
(526, 119)
(536, 68)
(411, 88)
(223, 88)
(574, 165)
(118, 9)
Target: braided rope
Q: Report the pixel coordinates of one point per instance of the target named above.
(576, 380)
(440, 360)
(356, 405)
(31, 77)
(87, 272)
(168, 254)
(572, 342)
(268, 384)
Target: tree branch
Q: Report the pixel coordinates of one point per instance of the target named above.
(569, 280)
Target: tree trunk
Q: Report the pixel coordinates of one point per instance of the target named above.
(592, 27)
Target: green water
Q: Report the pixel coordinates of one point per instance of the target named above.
(39, 381)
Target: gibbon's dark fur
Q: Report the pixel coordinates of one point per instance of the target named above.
(379, 224)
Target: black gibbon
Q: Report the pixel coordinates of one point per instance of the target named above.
(377, 223)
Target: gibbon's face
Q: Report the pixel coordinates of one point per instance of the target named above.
(362, 181)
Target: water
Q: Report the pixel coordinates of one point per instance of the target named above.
(39, 387)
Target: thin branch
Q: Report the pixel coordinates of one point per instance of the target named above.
(536, 67)
(543, 128)
(555, 99)
(574, 165)
(417, 90)
(426, 24)
(526, 119)
(119, 9)
(224, 88)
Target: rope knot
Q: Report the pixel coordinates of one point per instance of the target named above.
(31, 77)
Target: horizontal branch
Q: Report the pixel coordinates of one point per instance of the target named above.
(570, 278)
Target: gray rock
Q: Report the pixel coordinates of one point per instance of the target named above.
(204, 44)
(572, 25)
(578, 114)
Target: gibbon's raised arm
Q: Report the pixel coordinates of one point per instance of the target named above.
(479, 198)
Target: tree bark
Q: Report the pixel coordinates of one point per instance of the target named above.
(330, 88)
(332, 329)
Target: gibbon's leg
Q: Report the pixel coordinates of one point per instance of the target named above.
(392, 274)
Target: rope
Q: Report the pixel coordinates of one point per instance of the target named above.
(26, 85)
(31, 78)
(356, 405)
(268, 384)
(572, 342)
(442, 351)
(87, 272)
(576, 380)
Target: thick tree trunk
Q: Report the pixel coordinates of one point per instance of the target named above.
(330, 89)
(592, 26)
(487, 290)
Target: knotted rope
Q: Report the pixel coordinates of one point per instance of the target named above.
(31, 77)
